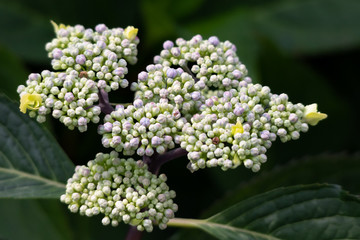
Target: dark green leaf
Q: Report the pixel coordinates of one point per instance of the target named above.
(32, 165)
(33, 220)
(309, 212)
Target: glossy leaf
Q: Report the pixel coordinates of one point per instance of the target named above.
(32, 165)
(318, 211)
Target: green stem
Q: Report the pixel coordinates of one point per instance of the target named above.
(185, 222)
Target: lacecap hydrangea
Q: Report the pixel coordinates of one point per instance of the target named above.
(84, 61)
(196, 96)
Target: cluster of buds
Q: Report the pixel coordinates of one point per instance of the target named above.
(141, 128)
(215, 64)
(86, 62)
(68, 97)
(240, 126)
(121, 189)
(175, 85)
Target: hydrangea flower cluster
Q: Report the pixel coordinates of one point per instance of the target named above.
(85, 61)
(173, 84)
(195, 96)
(121, 189)
(215, 64)
(144, 129)
(239, 128)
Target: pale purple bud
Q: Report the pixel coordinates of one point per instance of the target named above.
(168, 45)
(143, 76)
(195, 96)
(254, 151)
(267, 116)
(63, 32)
(101, 84)
(57, 53)
(175, 52)
(90, 84)
(179, 71)
(238, 111)
(34, 77)
(80, 59)
(281, 107)
(155, 141)
(116, 140)
(281, 132)
(196, 117)
(163, 93)
(108, 127)
(145, 122)
(69, 97)
(101, 44)
(293, 117)
(82, 121)
(265, 135)
(195, 56)
(171, 73)
(178, 99)
(134, 142)
(119, 71)
(209, 102)
(112, 56)
(214, 40)
(228, 94)
(157, 59)
(88, 53)
(100, 28)
(149, 151)
(228, 106)
(229, 53)
(127, 125)
(161, 118)
(226, 82)
(138, 103)
(168, 139)
(150, 68)
(176, 113)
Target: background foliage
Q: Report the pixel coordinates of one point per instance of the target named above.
(309, 49)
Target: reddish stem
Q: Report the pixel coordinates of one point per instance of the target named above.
(104, 103)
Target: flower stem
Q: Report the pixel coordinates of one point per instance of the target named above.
(104, 102)
(184, 222)
(158, 160)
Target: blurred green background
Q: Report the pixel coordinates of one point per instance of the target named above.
(309, 49)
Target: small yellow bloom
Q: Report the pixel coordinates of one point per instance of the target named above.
(238, 128)
(30, 101)
(312, 116)
(130, 32)
(57, 27)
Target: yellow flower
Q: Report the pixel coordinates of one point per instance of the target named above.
(238, 128)
(58, 27)
(130, 32)
(312, 116)
(30, 101)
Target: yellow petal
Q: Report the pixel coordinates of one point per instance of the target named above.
(238, 128)
(130, 32)
(30, 101)
(312, 116)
